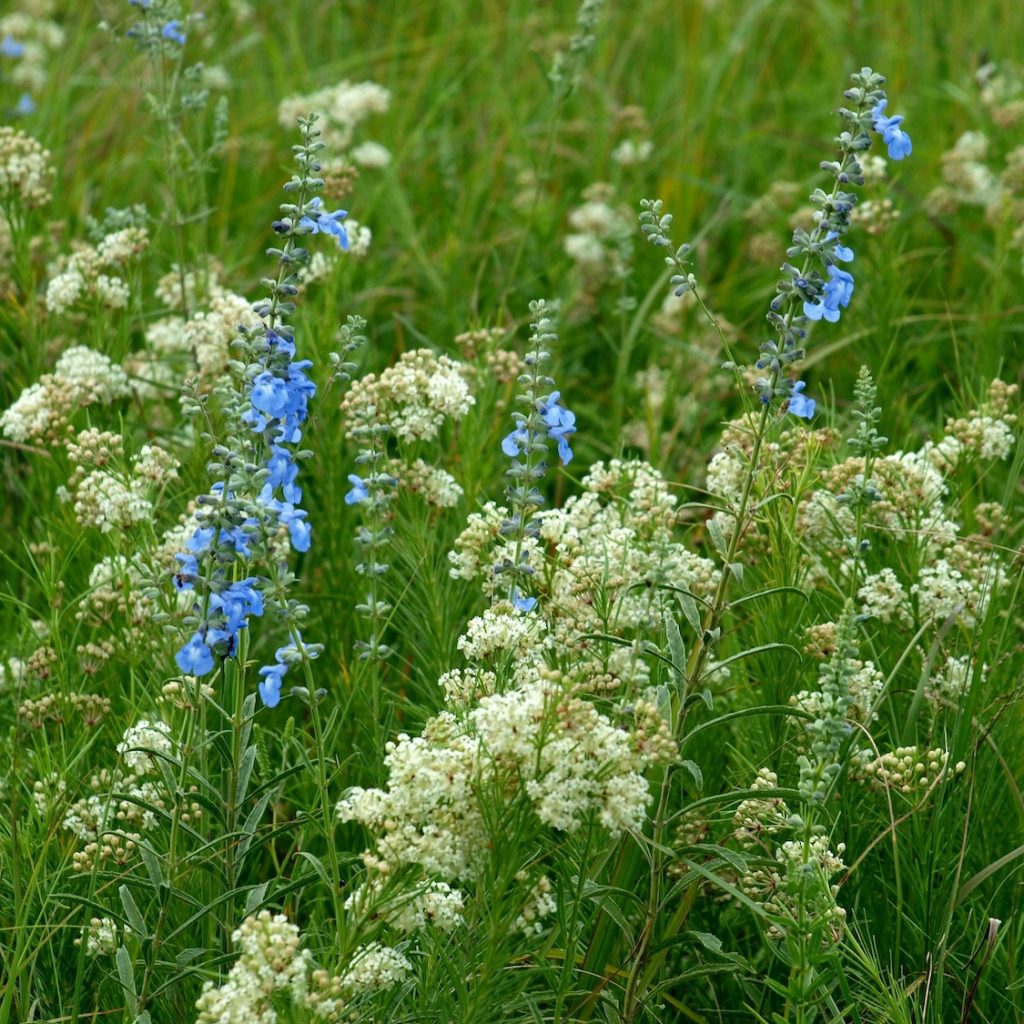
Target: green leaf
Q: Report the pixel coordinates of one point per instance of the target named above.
(678, 652)
(152, 864)
(735, 860)
(126, 975)
(717, 537)
(132, 912)
(318, 867)
(736, 569)
(255, 896)
(758, 594)
(253, 819)
(244, 774)
(689, 609)
(695, 771)
(707, 940)
(756, 650)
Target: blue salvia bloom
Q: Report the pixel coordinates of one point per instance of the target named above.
(172, 31)
(544, 420)
(258, 495)
(821, 289)
(892, 134)
(158, 28)
(325, 223)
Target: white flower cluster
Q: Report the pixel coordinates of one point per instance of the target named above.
(884, 598)
(82, 377)
(798, 892)
(599, 243)
(605, 553)
(13, 672)
(954, 575)
(110, 497)
(985, 434)
(208, 334)
(912, 503)
(952, 682)
(102, 820)
(271, 963)
(536, 741)
(628, 153)
(436, 486)
(102, 936)
(26, 174)
(972, 175)
(945, 590)
(143, 745)
(539, 905)
(413, 397)
(179, 347)
(342, 108)
(909, 770)
(82, 277)
(434, 904)
(500, 635)
(375, 967)
(757, 816)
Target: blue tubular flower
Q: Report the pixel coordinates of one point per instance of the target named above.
(561, 424)
(270, 684)
(10, 47)
(256, 494)
(840, 252)
(326, 223)
(283, 472)
(522, 604)
(359, 493)
(195, 658)
(25, 106)
(799, 404)
(892, 134)
(172, 31)
(837, 293)
(513, 444)
(269, 394)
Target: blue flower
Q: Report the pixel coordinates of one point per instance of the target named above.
(194, 658)
(514, 443)
(522, 604)
(10, 47)
(837, 293)
(841, 252)
(799, 404)
(270, 684)
(892, 134)
(359, 490)
(237, 603)
(326, 223)
(185, 576)
(283, 471)
(269, 394)
(201, 540)
(25, 106)
(172, 31)
(300, 532)
(561, 424)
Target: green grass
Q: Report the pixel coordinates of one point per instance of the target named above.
(654, 925)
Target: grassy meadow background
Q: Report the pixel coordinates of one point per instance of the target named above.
(735, 97)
